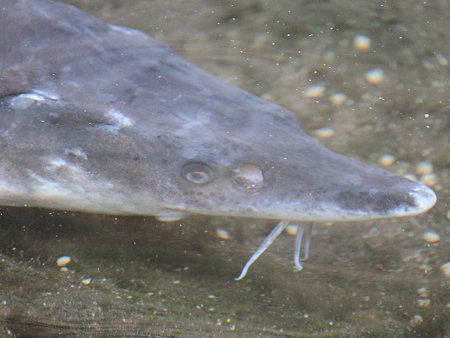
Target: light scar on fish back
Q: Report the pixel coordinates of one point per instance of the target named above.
(103, 119)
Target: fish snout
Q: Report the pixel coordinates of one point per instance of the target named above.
(424, 199)
(402, 198)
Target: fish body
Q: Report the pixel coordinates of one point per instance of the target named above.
(104, 119)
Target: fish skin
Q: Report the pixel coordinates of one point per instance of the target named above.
(100, 118)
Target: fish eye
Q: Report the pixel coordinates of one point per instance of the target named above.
(197, 173)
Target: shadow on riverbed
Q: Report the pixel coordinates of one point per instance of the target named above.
(169, 279)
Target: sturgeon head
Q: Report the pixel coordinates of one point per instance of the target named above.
(104, 119)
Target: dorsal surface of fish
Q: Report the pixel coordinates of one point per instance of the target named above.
(104, 119)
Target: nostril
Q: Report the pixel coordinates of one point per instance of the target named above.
(249, 178)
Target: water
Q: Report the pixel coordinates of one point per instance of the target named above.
(375, 278)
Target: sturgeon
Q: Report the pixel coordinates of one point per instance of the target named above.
(103, 119)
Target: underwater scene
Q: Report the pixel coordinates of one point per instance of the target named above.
(369, 80)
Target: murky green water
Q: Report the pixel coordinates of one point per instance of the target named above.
(378, 278)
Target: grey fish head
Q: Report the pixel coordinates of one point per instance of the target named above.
(116, 123)
(268, 168)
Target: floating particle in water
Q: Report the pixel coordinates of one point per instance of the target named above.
(429, 179)
(416, 320)
(223, 234)
(424, 302)
(431, 237)
(291, 229)
(386, 160)
(324, 133)
(338, 99)
(86, 281)
(63, 269)
(424, 168)
(362, 43)
(314, 92)
(375, 76)
(445, 268)
(63, 260)
(448, 214)
(211, 296)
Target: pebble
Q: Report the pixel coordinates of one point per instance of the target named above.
(259, 42)
(86, 281)
(324, 133)
(416, 320)
(423, 292)
(267, 97)
(338, 99)
(429, 64)
(401, 168)
(445, 268)
(375, 76)
(223, 234)
(362, 43)
(431, 237)
(386, 160)
(329, 55)
(442, 60)
(424, 302)
(291, 229)
(429, 179)
(63, 260)
(424, 168)
(314, 92)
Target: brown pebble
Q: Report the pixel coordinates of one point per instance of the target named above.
(362, 43)
(314, 92)
(375, 76)
(63, 260)
(431, 237)
(445, 268)
(386, 160)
